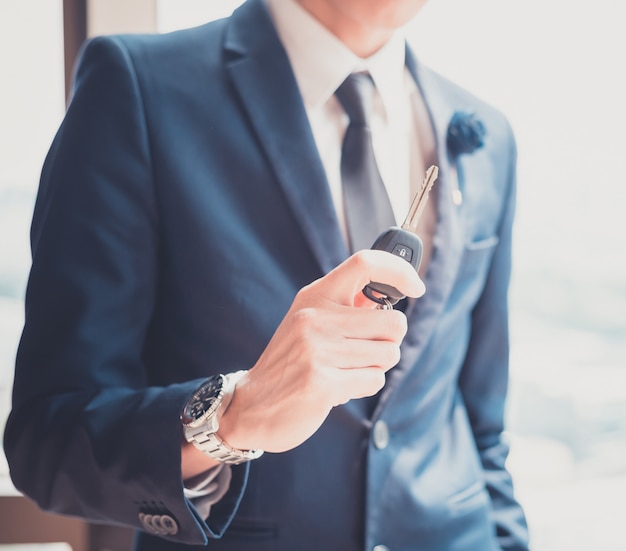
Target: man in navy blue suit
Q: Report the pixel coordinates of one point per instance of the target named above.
(193, 300)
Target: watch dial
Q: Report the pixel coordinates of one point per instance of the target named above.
(202, 400)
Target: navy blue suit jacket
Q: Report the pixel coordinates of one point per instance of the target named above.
(182, 205)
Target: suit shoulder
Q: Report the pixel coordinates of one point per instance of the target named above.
(187, 43)
(153, 58)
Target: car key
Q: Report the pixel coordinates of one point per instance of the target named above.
(403, 242)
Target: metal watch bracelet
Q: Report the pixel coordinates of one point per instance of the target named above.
(211, 444)
(205, 438)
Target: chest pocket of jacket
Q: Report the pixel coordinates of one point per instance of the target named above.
(477, 255)
(473, 270)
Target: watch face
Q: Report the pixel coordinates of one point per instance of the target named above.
(202, 400)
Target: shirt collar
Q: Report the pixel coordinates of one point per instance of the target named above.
(321, 62)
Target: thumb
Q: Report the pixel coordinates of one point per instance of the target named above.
(343, 284)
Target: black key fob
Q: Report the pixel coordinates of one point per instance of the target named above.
(402, 243)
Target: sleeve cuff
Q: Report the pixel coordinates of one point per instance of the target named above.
(206, 489)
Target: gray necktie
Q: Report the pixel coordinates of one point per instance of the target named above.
(366, 203)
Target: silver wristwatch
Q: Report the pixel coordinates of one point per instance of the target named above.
(201, 416)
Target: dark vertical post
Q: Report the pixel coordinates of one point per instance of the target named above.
(74, 34)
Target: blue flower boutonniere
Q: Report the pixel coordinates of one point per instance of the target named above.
(466, 133)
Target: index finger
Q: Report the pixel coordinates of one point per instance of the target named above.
(346, 281)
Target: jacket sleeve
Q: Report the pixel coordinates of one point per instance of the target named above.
(89, 434)
(484, 379)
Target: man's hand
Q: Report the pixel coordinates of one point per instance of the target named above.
(331, 347)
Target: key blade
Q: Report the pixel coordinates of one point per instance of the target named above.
(420, 199)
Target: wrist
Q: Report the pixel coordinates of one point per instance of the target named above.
(233, 428)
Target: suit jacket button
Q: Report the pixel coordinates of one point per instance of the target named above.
(146, 522)
(169, 525)
(157, 527)
(380, 436)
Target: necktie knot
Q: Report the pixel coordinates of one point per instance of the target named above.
(356, 95)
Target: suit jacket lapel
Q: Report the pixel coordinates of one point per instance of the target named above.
(265, 83)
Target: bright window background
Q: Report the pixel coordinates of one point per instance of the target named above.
(557, 69)
(31, 108)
